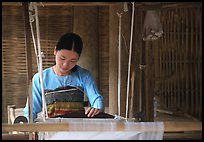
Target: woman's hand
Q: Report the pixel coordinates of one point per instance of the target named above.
(90, 112)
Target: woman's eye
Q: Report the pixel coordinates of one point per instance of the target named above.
(73, 61)
(62, 58)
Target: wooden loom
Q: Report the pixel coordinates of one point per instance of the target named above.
(84, 125)
(169, 127)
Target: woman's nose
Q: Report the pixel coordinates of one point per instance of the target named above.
(66, 63)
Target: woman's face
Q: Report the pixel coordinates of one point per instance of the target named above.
(65, 60)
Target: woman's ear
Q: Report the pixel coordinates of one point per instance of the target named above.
(55, 51)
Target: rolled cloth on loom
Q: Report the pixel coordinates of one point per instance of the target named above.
(104, 129)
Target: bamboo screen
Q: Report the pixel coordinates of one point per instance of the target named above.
(54, 21)
(178, 61)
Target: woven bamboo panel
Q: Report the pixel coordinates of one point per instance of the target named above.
(179, 61)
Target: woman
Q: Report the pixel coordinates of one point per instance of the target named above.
(65, 83)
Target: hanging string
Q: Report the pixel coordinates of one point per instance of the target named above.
(31, 18)
(119, 60)
(129, 62)
(39, 56)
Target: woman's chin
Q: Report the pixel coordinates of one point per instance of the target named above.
(65, 71)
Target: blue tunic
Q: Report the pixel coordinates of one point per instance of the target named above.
(81, 78)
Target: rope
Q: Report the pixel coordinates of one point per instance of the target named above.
(39, 56)
(129, 62)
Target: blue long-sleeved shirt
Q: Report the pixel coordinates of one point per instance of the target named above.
(81, 78)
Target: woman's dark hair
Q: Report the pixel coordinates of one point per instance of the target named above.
(70, 41)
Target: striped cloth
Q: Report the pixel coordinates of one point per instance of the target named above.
(64, 100)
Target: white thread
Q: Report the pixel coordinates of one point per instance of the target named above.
(129, 62)
(119, 60)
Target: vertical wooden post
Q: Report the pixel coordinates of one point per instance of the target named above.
(28, 59)
(27, 42)
(113, 59)
(142, 79)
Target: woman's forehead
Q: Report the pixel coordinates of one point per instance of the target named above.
(68, 53)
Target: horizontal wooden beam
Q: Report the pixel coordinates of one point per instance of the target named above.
(36, 127)
(15, 136)
(66, 3)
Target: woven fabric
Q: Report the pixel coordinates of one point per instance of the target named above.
(63, 101)
(64, 108)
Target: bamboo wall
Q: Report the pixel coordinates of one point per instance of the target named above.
(173, 71)
(180, 61)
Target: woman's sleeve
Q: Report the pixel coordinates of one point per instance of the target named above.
(37, 99)
(92, 92)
